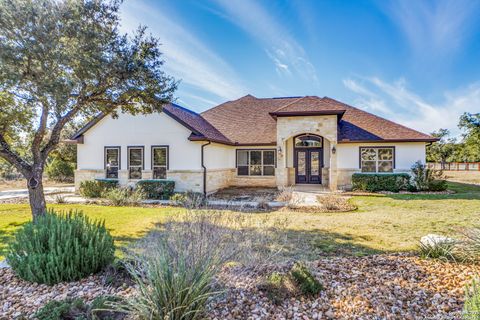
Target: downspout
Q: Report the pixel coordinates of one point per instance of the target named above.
(204, 168)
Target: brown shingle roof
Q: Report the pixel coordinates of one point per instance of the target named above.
(201, 129)
(248, 121)
(309, 105)
(251, 121)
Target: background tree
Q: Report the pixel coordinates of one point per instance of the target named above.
(441, 150)
(62, 60)
(470, 123)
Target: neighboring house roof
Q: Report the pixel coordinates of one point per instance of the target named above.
(252, 121)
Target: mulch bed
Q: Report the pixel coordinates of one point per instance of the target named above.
(397, 286)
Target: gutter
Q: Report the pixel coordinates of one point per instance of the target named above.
(204, 168)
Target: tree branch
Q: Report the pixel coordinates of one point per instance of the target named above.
(38, 138)
(13, 158)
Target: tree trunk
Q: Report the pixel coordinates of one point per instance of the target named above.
(37, 198)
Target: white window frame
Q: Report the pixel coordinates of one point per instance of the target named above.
(166, 166)
(377, 160)
(262, 165)
(129, 165)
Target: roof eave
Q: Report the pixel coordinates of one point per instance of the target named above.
(389, 140)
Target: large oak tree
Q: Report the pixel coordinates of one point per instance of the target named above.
(64, 60)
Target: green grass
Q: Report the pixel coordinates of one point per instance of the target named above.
(382, 223)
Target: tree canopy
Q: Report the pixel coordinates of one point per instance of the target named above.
(449, 149)
(64, 60)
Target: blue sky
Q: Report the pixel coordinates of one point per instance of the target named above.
(414, 62)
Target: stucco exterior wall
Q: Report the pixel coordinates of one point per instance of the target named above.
(141, 130)
(348, 155)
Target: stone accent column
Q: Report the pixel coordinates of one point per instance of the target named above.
(333, 176)
(281, 172)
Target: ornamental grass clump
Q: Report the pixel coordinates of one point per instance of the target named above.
(176, 265)
(60, 247)
(471, 308)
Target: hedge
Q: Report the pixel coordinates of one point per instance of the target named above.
(97, 188)
(373, 182)
(157, 189)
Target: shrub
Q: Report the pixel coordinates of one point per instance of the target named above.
(60, 170)
(305, 280)
(276, 287)
(372, 182)
(471, 307)
(426, 179)
(97, 188)
(60, 247)
(157, 189)
(77, 309)
(285, 194)
(175, 264)
(189, 199)
(63, 309)
(332, 202)
(59, 199)
(124, 196)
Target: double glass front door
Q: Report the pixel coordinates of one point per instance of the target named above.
(308, 165)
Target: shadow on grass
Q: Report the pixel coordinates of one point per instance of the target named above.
(289, 244)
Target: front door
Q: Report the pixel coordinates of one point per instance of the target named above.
(308, 164)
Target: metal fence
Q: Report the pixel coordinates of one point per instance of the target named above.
(455, 166)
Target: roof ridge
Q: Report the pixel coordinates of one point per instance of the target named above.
(288, 104)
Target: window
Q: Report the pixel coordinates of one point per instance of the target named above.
(112, 162)
(308, 141)
(135, 162)
(159, 162)
(256, 162)
(377, 159)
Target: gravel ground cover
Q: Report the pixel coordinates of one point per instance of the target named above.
(397, 286)
(373, 287)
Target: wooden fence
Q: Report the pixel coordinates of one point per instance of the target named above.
(455, 166)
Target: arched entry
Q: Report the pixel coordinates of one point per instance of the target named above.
(308, 158)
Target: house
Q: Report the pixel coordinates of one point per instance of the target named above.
(248, 142)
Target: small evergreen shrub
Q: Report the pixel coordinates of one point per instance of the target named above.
(63, 309)
(426, 179)
(60, 171)
(373, 182)
(124, 196)
(76, 309)
(97, 188)
(305, 280)
(471, 308)
(276, 287)
(157, 189)
(60, 247)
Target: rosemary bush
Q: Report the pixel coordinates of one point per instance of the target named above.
(60, 247)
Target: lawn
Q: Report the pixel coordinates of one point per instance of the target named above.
(383, 223)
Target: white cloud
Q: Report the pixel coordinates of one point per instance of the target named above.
(186, 57)
(434, 28)
(286, 53)
(397, 103)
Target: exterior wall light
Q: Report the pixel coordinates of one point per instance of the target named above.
(334, 150)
